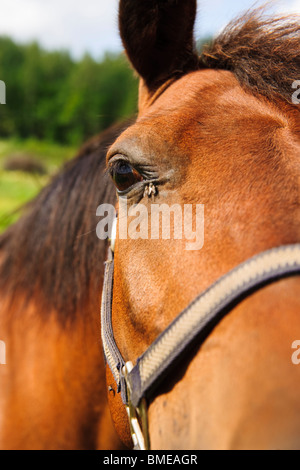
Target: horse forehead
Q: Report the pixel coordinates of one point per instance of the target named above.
(201, 97)
(208, 93)
(191, 107)
(200, 87)
(193, 94)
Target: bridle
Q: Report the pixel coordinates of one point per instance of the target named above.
(138, 383)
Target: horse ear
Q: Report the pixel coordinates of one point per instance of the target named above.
(158, 38)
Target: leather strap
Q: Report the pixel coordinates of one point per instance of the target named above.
(195, 322)
(112, 354)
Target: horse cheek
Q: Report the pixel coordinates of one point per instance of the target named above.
(118, 410)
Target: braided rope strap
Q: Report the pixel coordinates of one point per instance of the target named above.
(205, 312)
(111, 352)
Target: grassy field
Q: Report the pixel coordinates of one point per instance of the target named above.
(18, 187)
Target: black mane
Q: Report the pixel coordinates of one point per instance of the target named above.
(263, 53)
(52, 254)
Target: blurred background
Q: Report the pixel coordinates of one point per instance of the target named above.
(67, 79)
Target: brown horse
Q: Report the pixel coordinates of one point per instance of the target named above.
(52, 387)
(219, 130)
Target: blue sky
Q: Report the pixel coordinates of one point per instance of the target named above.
(91, 25)
(215, 14)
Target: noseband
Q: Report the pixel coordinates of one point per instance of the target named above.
(139, 383)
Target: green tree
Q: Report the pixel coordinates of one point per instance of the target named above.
(51, 96)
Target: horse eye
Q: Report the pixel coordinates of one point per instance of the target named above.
(124, 176)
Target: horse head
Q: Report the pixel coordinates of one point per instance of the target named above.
(216, 148)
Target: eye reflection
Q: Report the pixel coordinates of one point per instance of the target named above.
(124, 176)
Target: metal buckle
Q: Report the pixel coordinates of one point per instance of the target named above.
(137, 416)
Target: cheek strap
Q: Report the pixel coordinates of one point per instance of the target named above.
(192, 325)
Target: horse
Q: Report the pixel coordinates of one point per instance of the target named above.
(221, 130)
(53, 382)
